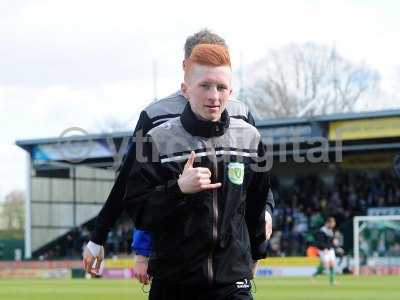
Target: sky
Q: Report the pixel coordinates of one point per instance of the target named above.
(82, 62)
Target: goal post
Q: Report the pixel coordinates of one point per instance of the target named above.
(376, 242)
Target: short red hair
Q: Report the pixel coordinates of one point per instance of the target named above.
(208, 55)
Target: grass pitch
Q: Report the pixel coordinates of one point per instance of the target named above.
(276, 288)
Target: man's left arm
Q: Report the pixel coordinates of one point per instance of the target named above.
(270, 199)
(257, 207)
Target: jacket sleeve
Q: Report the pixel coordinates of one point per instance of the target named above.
(141, 242)
(270, 199)
(257, 194)
(152, 191)
(250, 119)
(113, 207)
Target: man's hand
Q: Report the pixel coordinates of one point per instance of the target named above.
(194, 180)
(268, 225)
(254, 268)
(92, 253)
(141, 266)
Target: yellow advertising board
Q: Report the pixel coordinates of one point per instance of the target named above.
(120, 263)
(289, 261)
(127, 263)
(369, 161)
(364, 129)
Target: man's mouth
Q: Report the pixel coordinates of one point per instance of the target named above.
(213, 107)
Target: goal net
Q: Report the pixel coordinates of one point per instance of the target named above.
(376, 245)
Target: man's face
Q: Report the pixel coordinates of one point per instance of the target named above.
(208, 90)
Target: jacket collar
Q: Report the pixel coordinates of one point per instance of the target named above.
(204, 128)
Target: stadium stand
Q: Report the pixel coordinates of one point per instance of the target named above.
(69, 179)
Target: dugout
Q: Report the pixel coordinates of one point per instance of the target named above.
(70, 176)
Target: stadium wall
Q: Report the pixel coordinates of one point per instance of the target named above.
(59, 204)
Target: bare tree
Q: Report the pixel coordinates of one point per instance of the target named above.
(306, 80)
(111, 124)
(13, 212)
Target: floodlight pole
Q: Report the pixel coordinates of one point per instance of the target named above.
(356, 246)
(28, 208)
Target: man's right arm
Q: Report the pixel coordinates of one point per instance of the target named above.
(113, 207)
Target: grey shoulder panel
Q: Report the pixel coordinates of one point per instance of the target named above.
(173, 126)
(166, 107)
(241, 135)
(171, 138)
(174, 143)
(237, 108)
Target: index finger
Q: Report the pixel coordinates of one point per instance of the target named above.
(211, 186)
(204, 170)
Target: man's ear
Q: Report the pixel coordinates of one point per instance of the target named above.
(184, 64)
(230, 92)
(184, 90)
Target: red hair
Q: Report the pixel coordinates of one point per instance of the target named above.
(208, 55)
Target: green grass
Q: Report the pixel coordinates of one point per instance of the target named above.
(277, 288)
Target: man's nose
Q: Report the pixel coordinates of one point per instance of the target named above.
(212, 93)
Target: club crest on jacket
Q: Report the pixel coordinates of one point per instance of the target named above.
(236, 173)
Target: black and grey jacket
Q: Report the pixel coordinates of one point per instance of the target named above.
(207, 237)
(152, 116)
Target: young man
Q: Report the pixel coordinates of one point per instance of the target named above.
(153, 115)
(200, 186)
(325, 242)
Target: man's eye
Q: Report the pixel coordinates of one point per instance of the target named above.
(222, 87)
(206, 86)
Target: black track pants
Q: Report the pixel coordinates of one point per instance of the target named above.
(240, 290)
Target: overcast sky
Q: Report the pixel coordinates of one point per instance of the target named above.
(77, 63)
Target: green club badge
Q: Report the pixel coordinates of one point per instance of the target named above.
(236, 173)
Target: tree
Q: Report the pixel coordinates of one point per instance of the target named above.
(111, 124)
(13, 212)
(306, 80)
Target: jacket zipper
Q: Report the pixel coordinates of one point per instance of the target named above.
(215, 217)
